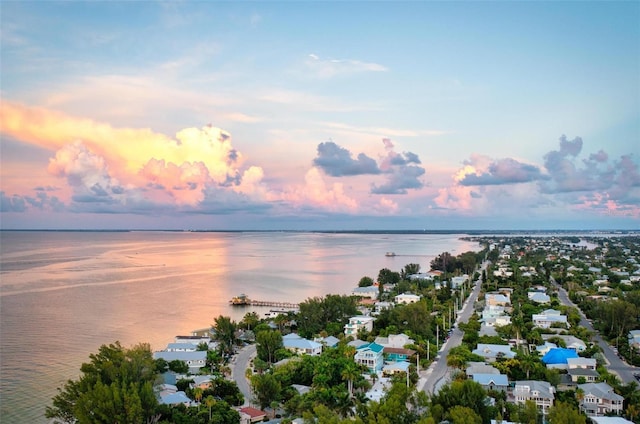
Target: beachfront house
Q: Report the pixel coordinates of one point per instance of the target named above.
(371, 356)
(181, 347)
(357, 323)
(540, 392)
(195, 360)
(600, 399)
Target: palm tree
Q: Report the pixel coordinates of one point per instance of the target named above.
(210, 401)
(197, 394)
(350, 372)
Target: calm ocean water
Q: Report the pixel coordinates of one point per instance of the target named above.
(63, 294)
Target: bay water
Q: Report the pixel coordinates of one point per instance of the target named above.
(63, 294)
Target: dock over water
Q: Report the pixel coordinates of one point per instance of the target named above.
(243, 300)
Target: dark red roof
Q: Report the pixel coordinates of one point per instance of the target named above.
(252, 412)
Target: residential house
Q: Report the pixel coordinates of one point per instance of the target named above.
(407, 298)
(357, 323)
(394, 340)
(584, 363)
(249, 415)
(299, 345)
(397, 354)
(371, 356)
(474, 368)
(571, 342)
(498, 382)
(557, 358)
(195, 360)
(370, 292)
(539, 297)
(583, 375)
(540, 392)
(600, 399)
(490, 352)
(181, 347)
(329, 341)
(549, 318)
(497, 299)
(457, 282)
(169, 395)
(395, 367)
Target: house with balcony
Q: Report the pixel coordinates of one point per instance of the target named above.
(394, 340)
(371, 356)
(549, 318)
(369, 292)
(357, 323)
(540, 392)
(600, 399)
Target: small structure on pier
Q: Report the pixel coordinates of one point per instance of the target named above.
(243, 299)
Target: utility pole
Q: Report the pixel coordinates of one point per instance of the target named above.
(437, 337)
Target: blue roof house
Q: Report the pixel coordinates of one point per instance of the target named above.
(371, 356)
(557, 357)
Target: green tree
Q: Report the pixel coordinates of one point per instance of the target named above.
(115, 386)
(178, 366)
(563, 413)
(365, 282)
(268, 342)
(386, 276)
(266, 389)
(465, 393)
(463, 415)
(249, 321)
(409, 269)
(225, 334)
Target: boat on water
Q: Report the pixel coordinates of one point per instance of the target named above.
(241, 299)
(390, 254)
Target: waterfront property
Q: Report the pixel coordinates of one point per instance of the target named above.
(195, 360)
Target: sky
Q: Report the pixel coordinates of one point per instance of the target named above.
(309, 115)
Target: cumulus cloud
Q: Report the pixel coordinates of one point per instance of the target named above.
(13, 203)
(338, 161)
(401, 171)
(501, 171)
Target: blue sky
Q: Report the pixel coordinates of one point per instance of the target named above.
(320, 115)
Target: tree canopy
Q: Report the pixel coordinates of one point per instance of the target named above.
(115, 386)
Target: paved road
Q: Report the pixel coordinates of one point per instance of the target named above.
(438, 373)
(239, 365)
(623, 370)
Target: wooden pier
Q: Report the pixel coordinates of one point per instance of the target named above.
(243, 300)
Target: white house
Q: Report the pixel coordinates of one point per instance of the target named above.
(195, 360)
(297, 344)
(600, 399)
(548, 318)
(584, 363)
(371, 356)
(370, 292)
(538, 297)
(498, 382)
(407, 298)
(357, 323)
(394, 340)
(541, 392)
(181, 347)
(492, 351)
